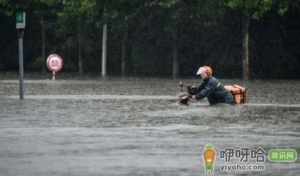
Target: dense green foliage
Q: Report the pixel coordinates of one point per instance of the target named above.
(155, 34)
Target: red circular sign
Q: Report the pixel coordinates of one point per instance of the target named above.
(54, 63)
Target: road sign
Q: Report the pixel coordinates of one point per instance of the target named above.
(20, 20)
(54, 63)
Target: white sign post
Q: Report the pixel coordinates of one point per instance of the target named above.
(54, 64)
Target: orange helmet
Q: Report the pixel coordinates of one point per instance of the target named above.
(208, 70)
(204, 69)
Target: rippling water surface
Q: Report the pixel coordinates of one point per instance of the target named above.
(135, 127)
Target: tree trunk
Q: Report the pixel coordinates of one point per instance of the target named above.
(175, 65)
(126, 51)
(80, 65)
(245, 49)
(43, 46)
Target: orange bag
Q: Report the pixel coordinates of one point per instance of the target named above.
(238, 93)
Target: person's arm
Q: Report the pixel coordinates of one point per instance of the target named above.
(206, 89)
(198, 89)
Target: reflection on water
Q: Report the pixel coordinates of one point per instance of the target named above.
(125, 127)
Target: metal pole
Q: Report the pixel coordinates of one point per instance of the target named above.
(21, 69)
(104, 48)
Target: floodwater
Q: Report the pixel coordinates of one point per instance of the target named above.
(135, 127)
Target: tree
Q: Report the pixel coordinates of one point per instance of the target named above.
(171, 12)
(42, 9)
(33, 8)
(254, 9)
(127, 14)
(75, 21)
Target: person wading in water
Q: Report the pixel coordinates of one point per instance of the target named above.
(211, 88)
